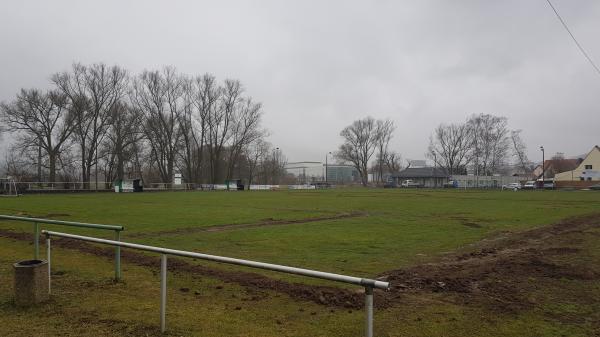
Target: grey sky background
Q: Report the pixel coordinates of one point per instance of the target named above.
(318, 65)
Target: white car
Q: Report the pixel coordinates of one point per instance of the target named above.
(512, 186)
(410, 183)
(530, 185)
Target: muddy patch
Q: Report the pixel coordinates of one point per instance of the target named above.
(499, 273)
(471, 224)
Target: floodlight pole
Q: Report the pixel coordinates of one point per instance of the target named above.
(327, 166)
(434, 170)
(543, 167)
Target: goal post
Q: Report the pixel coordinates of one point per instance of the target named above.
(8, 187)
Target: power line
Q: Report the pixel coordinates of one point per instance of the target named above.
(573, 37)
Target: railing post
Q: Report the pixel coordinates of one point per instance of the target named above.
(369, 311)
(48, 257)
(117, 256)
(36, 241)
(163, 292)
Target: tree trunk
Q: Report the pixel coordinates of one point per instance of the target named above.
(52, 169)
(84, 175)
(120, 169)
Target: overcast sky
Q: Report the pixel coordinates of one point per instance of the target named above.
(318, 65)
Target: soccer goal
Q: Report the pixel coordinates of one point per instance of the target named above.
(8, 187)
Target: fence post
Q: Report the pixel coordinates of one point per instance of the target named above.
(163, 292)
(369, 311)
(36, 241)
(48, 257)
(117, 256)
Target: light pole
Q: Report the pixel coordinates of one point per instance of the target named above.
(277, 151)
(543, 166)
(434, 170)
(326, 165)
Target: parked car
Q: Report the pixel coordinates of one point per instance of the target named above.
(529, 185)
(410, 183)
(595, 187)
(545, 184)
(451, 184)
(512, 186)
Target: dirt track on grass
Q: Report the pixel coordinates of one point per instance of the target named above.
(501, 272)
(497, 273)
(263, 223)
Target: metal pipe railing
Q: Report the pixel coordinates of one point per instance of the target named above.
(368, 284)
(36, 234)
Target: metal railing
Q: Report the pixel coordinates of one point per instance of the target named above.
(36, 234)
(368, 284)
(40, 186)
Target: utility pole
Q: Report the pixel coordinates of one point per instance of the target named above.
(326, 155)
(326, 166)
(543, 166)
(434, 169)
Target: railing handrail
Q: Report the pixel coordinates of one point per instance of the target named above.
(63, 223)
(63, 182)
(365, 282)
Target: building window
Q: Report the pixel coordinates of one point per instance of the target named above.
(581, 178)
(588, 167)
(589, 178)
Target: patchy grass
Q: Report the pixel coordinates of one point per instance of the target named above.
(389, 229)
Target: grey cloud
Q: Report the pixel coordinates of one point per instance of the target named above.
(319, 65)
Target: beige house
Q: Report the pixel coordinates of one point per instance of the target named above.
(552, 167)
(586, 174)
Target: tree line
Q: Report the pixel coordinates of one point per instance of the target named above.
(361, 140)
(483, 143)
(98, 120)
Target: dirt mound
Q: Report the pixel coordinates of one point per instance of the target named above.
(499, 273)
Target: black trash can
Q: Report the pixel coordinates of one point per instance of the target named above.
(31, 282)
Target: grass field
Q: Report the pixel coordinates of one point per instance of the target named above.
(361, 232)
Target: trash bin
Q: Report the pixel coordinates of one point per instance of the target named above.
(31, 282)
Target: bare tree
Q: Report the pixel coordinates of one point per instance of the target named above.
(273, 167)
(450, 146)
(255, 154)
(44, 123)
(245, 129)
(393, 161)
(360, 142)
(158, 95)
(206, 99)
(491, 145)
(126, 130)
(219, 122)
(519, 151)
(161, 121)
(18, 163)
(92, 91)
(385, 131)
(190, 140)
